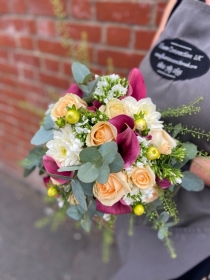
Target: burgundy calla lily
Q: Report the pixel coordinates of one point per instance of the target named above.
(52, 168)
(116, 209)
(46, 181)
(75, 90)
(127, 142)
(96, 105)
(137, 88)
(164, 183)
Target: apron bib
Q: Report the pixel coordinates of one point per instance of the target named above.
(176, 72)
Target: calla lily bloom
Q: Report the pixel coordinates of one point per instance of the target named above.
(164, 183)
(137, 88)
(127, 142)
(52, 168)
(75, 90)
(116, 209)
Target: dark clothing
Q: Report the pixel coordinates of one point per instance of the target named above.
(178, 3)
(176, 72)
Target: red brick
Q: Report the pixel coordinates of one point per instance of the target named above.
(26, 42)
(18, 25)
(29, 74)
(46, 27)
(54, 81)
(26, 58)
(8, 80)
(51, 47)
(81, 9)
(29, 88)
(7, 40)
(43, 7)
(18, 6)
(4, 6)
(118, 36)
(93, 32)
(125, 12)
(67, 68)
(159, 12)
(3, 55)
(52, 65)
(120, 59)
(8, 68)
(143, 39)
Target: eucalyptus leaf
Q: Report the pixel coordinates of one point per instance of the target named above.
(87, 188)
(79, 72)
(69, 168)
(86, 223)
(87, 173)
(34, 159)
(27, 172)
(191, 182)
(48, 122)
(79, 193)
(176, 130)
(76, 212)
(91, 155)
(117, 165)
(108, 151)
(162, 233)
(42, 136)
(103, 175)
(92, 210)
(89, 100)
(164, 217)
(87, 78)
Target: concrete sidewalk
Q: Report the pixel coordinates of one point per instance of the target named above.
(27, 253)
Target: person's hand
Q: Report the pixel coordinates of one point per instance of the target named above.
(200, 166)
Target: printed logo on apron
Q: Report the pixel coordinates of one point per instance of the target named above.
(175, 59)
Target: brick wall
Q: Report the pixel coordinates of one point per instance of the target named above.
(34, 65)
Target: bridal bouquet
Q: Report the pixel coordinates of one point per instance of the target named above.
(104, 151)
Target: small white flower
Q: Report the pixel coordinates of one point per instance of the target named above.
(114, 77)
(65, 147)
(178, 180)
(140, 164)
(147, 194)
(106, 217)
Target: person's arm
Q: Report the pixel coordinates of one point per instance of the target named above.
(164, 20)
(201, 167)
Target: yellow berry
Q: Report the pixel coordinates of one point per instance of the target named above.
(153, 153)
(72, 117)
(141, 124)
(138, 210)
(52, 191)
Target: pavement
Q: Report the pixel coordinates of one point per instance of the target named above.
(28, 253)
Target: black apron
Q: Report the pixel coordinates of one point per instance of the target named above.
(176, 72)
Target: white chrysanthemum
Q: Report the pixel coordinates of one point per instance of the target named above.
(65, 147)
(145, 106)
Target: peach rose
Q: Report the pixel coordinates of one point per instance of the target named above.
(114, 107)
(101, 133)
(142, 177)
(162, 141)
(70, 99)
(113, 190)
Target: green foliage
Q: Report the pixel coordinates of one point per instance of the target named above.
(33, 160)
(87, 173)
(48, 123)
(87, 188)
(169, 205)
(117, 165)
(176, 130)
(76, 212)
(191, 182)
(79, 193)
(182, 110)
(42, 136)
(108, 151)
(91, 155)
(80, 72)
(103, 175)
(86, 222)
